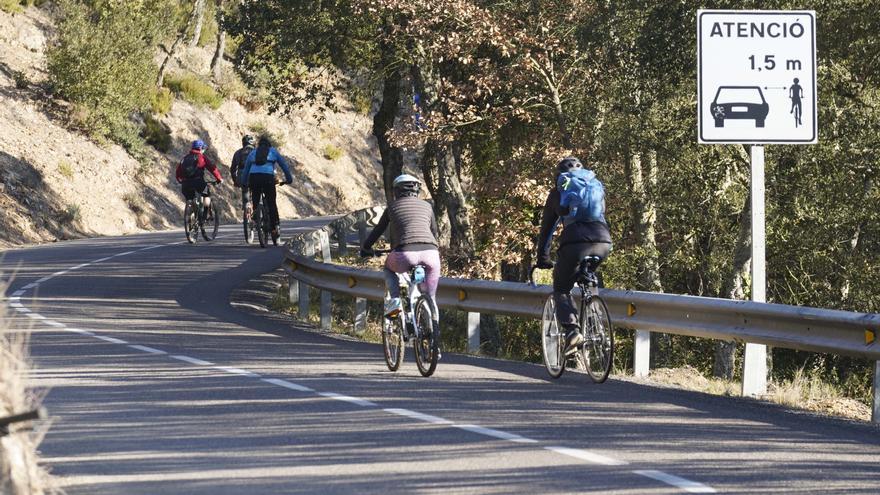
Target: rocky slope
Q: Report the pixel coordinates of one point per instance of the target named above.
(58, 184)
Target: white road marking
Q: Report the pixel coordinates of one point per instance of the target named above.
(685, 484)
(420, 416)
(190, 360)
(17, 293)
(102, 259)
(55, 324)
(586, 455)
(348, 398)
(23, 310)
(34, 316)
(503, 435)
(123, 254)
(144, 348)
(15, 305)
(40, 281)
(29, 286)
(237, 371)
(112, 340)
(81, 265)
(287, 384)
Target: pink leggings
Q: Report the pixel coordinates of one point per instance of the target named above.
(401, 261)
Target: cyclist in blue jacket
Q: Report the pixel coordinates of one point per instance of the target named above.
(259, 175)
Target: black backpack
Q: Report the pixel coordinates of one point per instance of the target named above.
(190, 165)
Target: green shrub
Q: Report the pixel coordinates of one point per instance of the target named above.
(332, 152)
(11, 6)
(70, 214)
(65, 169)
(194, 90)
(260, 129)
(157, 134)
(162, 100)
(102, 62)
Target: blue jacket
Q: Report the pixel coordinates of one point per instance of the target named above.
(251, 167)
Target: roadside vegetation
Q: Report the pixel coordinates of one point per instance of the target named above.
(20, 472)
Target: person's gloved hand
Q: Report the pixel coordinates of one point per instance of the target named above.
(544, 263)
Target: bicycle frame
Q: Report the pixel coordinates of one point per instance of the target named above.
(411, 296)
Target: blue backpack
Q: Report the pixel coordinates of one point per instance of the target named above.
(583, 194)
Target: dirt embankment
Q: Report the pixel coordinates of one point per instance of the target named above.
(58, 184)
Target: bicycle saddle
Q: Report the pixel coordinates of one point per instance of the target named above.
(587, 268)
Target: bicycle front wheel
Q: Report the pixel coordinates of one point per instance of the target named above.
(425, 342)
(598, 348)
(552, 341)
(249, 229)
(392, 341)
(191, 222)
(211, 223)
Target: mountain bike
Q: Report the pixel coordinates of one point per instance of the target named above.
(196, 215)
(415, 322)
(262, 221)
(595, 354)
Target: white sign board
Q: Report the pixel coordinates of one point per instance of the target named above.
(756, 76)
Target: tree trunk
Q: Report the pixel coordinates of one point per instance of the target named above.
(644, 213)
(734, 288)
(199, 15)
(217, 59)
(432, 181)
(561, 120)
(443, 158)
(172, 52)
(383, 121)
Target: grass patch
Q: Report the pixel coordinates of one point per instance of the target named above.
(332, 153)
(65, 169)
(10, 6)
(157, 134)
(135, 203)
(70, 214)
(193, 90)
(21, 80)
(162, 100)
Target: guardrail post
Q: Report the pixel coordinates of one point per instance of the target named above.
(360, 315)
(304, 303)
(473, 329)
(642, 353)
(362, 227)
(341, 234)
(755, 359)
(875, 411)
(292, 289)
(326, 296)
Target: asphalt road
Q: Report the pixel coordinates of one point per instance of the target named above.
(158, 384)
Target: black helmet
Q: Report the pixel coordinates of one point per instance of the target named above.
(406, 185)
(567, 164)
(248, 140)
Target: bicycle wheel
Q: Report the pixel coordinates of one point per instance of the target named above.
(211, 223)
(598, 349)
(392, 341)
(261, 219)
(425, 342)
(190, 223)
(552, 341)
(249, 229)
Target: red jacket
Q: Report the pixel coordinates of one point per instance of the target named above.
(204, 163)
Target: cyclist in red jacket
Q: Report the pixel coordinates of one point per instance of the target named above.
(191, 173)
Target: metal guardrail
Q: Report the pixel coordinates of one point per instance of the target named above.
(792, 327)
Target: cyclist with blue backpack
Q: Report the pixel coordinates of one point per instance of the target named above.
(259, 175)
(578, 200)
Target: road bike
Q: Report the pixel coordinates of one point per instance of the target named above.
(262, 221)
(595, 355)
(199, 217)
(415, 322)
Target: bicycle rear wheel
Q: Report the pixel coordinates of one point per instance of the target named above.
(211, 223)
(250, 229)
(425, 342)
(598, 349)
(191, 222)
(262, 220)
(552, 341)
(392, 341)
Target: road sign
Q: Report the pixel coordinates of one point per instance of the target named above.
(756, 76)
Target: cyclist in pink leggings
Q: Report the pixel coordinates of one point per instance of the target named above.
(413, 241)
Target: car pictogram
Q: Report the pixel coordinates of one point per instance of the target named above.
(739, 103)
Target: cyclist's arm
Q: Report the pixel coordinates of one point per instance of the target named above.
(288, 177)
(247, 169)
(434, 229)
(179, 173)
(235, 167)
(549, 221)
(213, 169)
(378, 230)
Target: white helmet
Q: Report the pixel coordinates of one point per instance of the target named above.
(406, 183)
